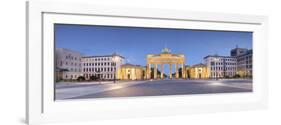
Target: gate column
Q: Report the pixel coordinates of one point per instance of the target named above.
(161, 71)
(155, 71)
(170, 69)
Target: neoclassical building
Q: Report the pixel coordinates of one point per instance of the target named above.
(198, 71)
(71, 64)
(103, 66)
(221, 66)
(131, 72)
(166, 57)
(238, 63)
(244, 61)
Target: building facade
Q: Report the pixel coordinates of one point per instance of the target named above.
(131, 72)
(244, 61)
(104, 67)
(68, 64)
(166, 57)
(221, 66)
(198, 71)
(238, 64)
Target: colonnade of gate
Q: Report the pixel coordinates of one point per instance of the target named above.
(155, 65)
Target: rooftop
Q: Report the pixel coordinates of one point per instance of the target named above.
(130, 65)
(218, 56)
(112, 55)
(198, 65)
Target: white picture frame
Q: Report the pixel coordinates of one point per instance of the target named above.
(41, 108)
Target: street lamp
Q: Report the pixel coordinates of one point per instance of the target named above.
(114, 59)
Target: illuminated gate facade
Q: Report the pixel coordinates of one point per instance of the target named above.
(166, 57)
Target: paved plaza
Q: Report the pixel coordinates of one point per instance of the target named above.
(149, 88)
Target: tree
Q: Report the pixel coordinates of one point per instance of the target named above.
(236, 76)
(94, 77)
(81, 78)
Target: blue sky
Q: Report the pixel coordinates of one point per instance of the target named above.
(135, 43)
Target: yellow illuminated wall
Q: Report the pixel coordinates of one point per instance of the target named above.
(130, 72)
(199, 71)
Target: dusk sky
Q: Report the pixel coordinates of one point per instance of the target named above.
(135, 43)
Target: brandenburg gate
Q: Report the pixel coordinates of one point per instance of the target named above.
(166, 57)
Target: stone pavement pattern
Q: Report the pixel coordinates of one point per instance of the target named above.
(152, 88)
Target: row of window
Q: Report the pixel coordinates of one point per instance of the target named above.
(223, 68)
(69, 63)
(99, 64)
(103, 76)
(108, 69)
(244, 65)
(227, 59)
(74, 69)
(214, 74)
(247, 57)
(221, 63)
(70, 57)
(98, 59)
